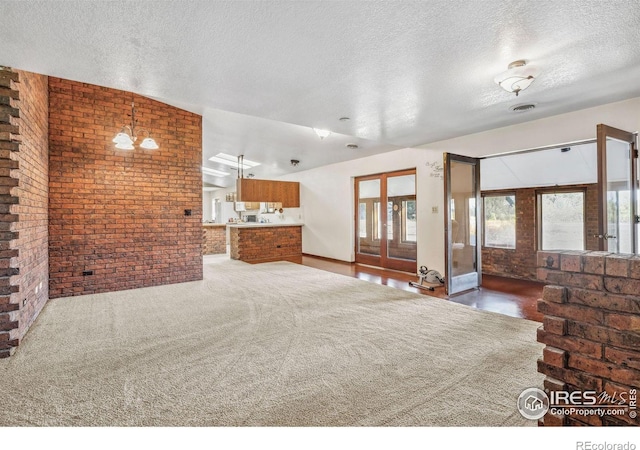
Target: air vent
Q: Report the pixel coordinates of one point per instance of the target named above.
(523, 108)
(353, 146)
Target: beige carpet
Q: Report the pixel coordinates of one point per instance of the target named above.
(273, 344)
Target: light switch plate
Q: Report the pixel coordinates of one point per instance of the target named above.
(434, 209)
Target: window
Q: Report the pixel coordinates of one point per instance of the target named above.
(500, 221)
(562, 220)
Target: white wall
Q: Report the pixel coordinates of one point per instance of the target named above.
(560, 129)
(207, 209)
(327, 193)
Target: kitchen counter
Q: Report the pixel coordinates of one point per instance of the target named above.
(264, 242)
(264, 225)
(214, 224)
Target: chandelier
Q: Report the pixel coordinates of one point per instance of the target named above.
(128, 135)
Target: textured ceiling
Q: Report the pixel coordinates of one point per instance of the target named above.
(406, 73)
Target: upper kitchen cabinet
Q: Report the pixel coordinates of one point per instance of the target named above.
(252, 190)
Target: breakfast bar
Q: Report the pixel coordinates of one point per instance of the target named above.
(214, 238)
(265, 242)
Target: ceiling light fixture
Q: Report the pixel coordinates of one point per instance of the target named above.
(295, 162)
(517, 77)
(129, 134)
(322, 133)
(352, 146)
(214, 172)
(232, 161)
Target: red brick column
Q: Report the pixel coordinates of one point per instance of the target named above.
(591, 327)
(24, 155)
(9, 143)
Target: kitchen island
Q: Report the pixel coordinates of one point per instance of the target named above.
(265, 242)
(214, 238)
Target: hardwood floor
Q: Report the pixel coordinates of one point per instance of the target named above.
(515, 298)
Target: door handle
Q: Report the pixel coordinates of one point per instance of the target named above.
(608, 236)
(605, 236)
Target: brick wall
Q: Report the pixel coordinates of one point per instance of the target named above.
(214, 240)
(521, 261)
(23, 203)
(262, 244)
(591, 327)
(116, 213)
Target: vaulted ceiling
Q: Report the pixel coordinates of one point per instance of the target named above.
(264, 73)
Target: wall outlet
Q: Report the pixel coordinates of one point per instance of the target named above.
(187, 212)
(24, 302)
(87, 272)
(434, 209)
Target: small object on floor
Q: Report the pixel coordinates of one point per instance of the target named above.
(430, 276)
(420, 286)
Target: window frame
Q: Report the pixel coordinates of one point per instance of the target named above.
(560, 190)
(484, 217)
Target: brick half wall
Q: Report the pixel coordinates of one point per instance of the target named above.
(263, 244)
(117, 217)
(591, 328)
(214, 240)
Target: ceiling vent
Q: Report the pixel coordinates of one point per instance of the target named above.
(523, 107)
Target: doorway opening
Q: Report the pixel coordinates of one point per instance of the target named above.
(386, 226)
(577, 196)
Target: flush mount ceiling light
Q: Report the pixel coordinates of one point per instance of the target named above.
(232, 161)
(129, 134)
(352, 146)
(322, 133)
(214, 172)
(295, 162)
(518, 77)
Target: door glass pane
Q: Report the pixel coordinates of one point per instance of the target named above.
(369, 223)
(619, 237)
(562, 221)
(401, 217)
(362, 219)
(472, 221)
(390, 230)
(409, 222)
(463, 222)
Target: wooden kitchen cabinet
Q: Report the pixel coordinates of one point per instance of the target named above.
(252, 190)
